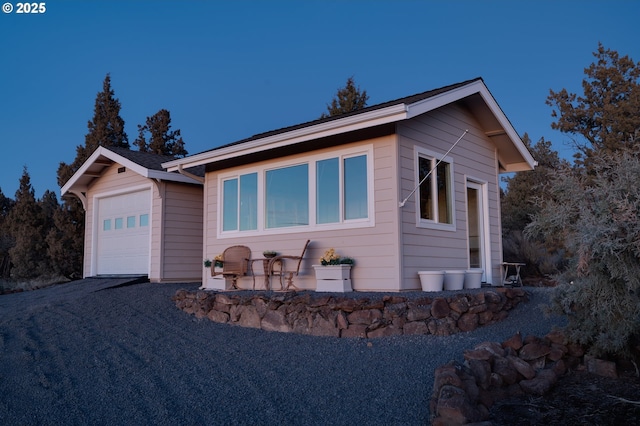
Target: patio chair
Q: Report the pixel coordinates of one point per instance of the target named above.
(289, 266)
(236, 262)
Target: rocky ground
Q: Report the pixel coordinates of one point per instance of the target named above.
(579, 398)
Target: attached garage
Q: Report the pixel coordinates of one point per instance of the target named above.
(139, 218)
(123, 236)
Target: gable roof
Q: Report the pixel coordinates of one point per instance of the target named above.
(512, 153)
(143, 163)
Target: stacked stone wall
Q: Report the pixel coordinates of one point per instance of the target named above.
(321, 314)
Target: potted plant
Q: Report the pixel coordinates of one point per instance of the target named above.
(218, 261)
(334, 272)
(269, 254)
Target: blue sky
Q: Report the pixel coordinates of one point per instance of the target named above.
(227, 70)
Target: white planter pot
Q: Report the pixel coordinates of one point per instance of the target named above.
(454, 280)
(473, 278)
(431, 280)
(332, 272)
(333, 278)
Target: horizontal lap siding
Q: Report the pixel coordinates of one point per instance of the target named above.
(474, 156)
(111, 181)
(375, 249)
(182, 252)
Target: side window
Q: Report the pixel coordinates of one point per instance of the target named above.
(435, 197)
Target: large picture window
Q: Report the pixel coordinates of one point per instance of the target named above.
(435, 197)
(324, 191)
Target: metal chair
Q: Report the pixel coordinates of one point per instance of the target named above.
(290, 266)
(236, 262)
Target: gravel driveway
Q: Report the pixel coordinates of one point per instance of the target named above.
(90, 353)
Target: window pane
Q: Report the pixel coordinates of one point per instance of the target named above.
(144, 220)
(230, 205)
(287, 196)
(328, 191)
(131, 221)
(248, 202)
(426, 200)
(355, 187)
(106, 225)
(119, 223)
(444, 193)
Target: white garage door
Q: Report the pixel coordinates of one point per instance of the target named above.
(123, 234)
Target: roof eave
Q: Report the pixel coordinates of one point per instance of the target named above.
(355, 122)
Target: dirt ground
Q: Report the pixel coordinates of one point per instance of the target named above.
(579, 398)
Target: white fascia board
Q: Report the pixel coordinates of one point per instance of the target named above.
(355, 122)
(168, 176)
(479, 87)
(97, 153)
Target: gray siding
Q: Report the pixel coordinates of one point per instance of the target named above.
(474, 156)
(182, 233)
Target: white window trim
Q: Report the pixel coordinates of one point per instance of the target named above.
(311, 162)
(431, 224)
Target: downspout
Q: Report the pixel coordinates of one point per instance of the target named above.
(183, 172)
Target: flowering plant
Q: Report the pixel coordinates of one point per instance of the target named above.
(332, 258)
(207, 263)
(219, 261)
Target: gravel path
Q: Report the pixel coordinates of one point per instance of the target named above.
(93, 354)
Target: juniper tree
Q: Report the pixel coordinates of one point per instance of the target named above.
(106, 128)
(26, 225)
(348, 99)
(604, 118)
(162, 140)
(520, 202)
(596, 214)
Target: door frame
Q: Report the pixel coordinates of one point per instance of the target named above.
(485, 236)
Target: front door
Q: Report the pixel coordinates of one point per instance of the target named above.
(476, 229)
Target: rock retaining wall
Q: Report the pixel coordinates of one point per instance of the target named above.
(352, 316)
(464, 393)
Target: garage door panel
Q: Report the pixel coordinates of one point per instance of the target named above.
(123, 234)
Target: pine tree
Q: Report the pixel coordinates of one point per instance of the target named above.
(348, 99)
(162, 140)
(26, 225)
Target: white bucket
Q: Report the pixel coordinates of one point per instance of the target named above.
(473, 278)
(453, 280)
(431, 280)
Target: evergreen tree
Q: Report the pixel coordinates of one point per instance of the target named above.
(63, 247)
(605, 117)
(162, 140)
(26, 226)
(598, 220)
(6, 242)
(521, 202)
(348, 99)
(105, 129)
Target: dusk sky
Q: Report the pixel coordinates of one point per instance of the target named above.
(228, 70)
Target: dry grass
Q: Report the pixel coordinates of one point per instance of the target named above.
(15, 286)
